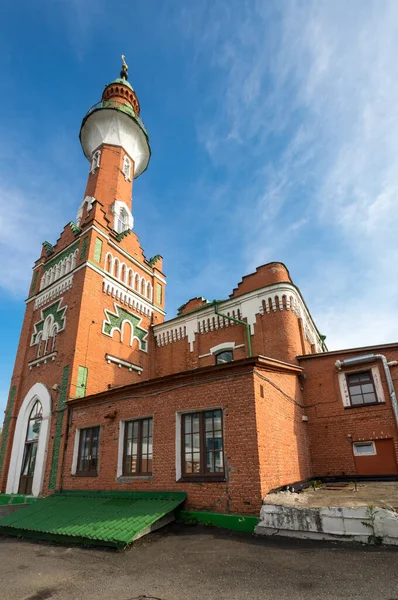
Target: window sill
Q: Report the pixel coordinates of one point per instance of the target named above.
(130, 478)
(201, 479)
(84, 474)
(365, 405)
(42, 359)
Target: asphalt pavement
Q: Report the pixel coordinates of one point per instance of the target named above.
(197, 563)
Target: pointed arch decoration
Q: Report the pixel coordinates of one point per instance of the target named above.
(38, 392)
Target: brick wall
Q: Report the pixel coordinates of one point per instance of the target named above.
(226, 387)
(330, 424)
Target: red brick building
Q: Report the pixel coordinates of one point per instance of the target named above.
(225, 401)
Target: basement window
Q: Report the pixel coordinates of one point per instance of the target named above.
(361, 388)
(202, 446)
(364, 449)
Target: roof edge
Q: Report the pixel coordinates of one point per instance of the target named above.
(345, 350)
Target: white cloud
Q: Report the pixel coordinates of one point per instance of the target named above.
(309, 104)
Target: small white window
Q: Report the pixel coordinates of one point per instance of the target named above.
(122, 221)
(95, 163)
(364, 449)
(126, 168)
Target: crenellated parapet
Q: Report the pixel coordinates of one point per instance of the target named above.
(271, 299)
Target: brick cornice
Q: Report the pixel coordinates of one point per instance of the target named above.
(236, 368)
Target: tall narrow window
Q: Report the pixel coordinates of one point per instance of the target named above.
(54, 336)
(30, 451)
(126, 168)
(87, 461)
(202, 445)
(137, 456)
(95, 163)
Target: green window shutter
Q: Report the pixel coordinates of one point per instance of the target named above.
(158, 294)
(98, 250)
(81, 385)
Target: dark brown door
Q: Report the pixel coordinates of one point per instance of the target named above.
(383, 462)
(28, 468)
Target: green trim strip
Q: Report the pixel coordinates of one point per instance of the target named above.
(234, 522)
(12, 499)
(83, 251)
(6, 426)
(58, 429)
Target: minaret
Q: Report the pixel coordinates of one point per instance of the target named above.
(113, 137)
(93, 299)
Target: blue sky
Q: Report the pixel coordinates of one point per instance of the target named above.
(274, 134)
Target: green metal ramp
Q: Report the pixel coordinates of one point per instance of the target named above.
(97, 518)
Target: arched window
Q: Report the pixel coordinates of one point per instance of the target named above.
(95, 163)
(39, 341)
(108, 263)
(131, 278)
(126, 170)
(137, 282)
(149, 290)
(224, 357)
(143, 286)
(54, 334)
(123, 274)
(122, 221)
(116, 267)
(30, 451)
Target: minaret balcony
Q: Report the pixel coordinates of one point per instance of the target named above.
(116, 123)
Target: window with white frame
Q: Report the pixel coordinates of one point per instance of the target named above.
(364, 449)
(95, 162)
(122, 221)
(126, 170)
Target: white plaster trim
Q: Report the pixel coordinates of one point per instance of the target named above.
(178, 447)
(116, 208)
(75, 452)
(41, 393)
(378, 384)
(126, 295)
(89, 200)
(132, 337)
(345, 395)
(123, 363)
(42, 359)
(355, 447)
(225, 346)
(135, 261)
(120, 452)
(247, 306)
(55, 290)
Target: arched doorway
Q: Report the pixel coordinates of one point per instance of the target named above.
(30, 451)
(29, 448)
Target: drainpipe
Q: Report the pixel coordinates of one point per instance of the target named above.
(371, 358)
(247, 326)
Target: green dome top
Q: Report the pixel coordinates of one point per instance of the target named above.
(123, 82)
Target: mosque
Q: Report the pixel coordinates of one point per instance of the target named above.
(225, 401)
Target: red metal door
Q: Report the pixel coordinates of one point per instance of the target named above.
(384, 462)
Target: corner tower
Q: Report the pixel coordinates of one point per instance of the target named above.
(92, 302)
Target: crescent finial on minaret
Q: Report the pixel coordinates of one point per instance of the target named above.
(125, 68)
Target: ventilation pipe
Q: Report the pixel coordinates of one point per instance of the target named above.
(348, 362)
